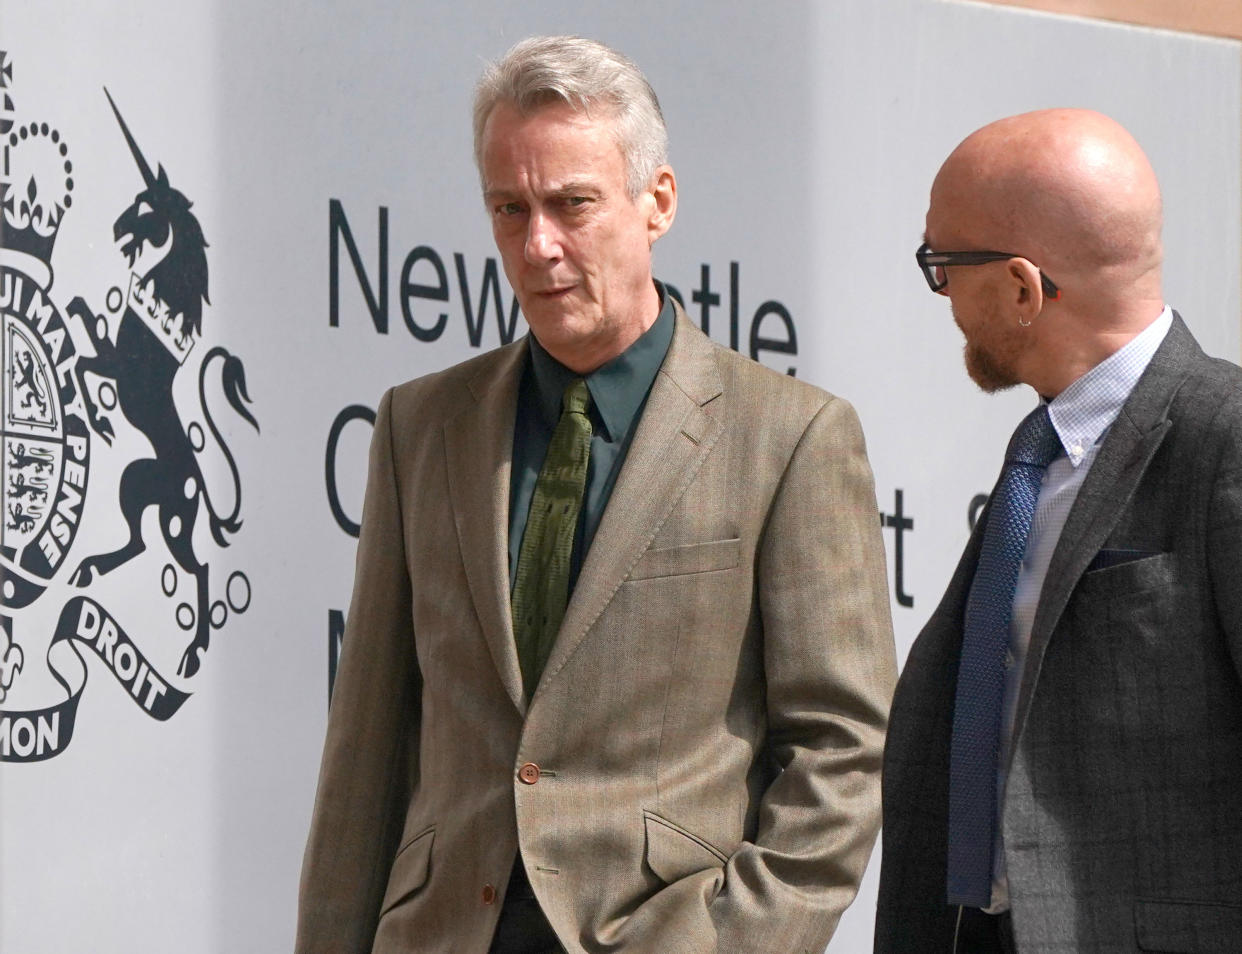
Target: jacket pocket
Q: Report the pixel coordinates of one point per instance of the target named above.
(409, 870)
(1111, 580)
(674, 853)
(1109, 557)
(1187, 927)
(1128, 599)
(694, 558)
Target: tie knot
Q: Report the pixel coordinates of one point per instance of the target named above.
(1035, 442)
(577, 398)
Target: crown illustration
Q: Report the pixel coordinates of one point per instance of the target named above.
(36, 179)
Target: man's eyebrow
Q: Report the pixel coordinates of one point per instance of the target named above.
(494, 195)
(577, 188)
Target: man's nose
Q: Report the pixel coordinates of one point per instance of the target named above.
(543, 240)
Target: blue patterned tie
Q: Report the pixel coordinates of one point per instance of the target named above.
(981, 672)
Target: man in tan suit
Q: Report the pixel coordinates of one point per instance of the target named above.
(680, 752)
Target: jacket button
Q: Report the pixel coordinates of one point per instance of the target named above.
(529, 773)
(489, 894)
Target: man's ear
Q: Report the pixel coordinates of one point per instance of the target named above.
(1025, 291)
(662, 198)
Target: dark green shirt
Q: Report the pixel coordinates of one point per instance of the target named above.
(619, 391)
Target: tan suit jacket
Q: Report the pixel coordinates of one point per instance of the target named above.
(708, 728)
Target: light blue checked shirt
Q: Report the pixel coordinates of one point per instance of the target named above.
(1081, 416)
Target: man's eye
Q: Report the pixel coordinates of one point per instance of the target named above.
(509, 208)
(576, 200)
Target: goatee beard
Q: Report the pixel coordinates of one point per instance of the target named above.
(987, 373)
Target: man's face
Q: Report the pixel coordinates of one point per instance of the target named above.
(576, 248)
(994, 347)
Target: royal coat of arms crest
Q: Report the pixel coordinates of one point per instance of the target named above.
(57, 397)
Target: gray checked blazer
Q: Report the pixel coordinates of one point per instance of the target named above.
(1123, 815)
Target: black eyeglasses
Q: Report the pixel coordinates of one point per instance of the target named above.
(933, 264)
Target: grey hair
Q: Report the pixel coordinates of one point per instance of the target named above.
(585, 75)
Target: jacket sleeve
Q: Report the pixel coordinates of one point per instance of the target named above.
(370, 753)
(1224, 530)
(830, 668)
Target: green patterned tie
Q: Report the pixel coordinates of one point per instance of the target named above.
(541, 587)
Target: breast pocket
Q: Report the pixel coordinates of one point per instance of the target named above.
(692, 558)
(1133, 595)
(1127, 576)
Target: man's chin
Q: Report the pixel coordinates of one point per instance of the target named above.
(561, 333)
(551, 324)
(994, 387)
(989, 376)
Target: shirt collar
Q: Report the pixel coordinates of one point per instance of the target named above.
(1084, 411)
(618, 388)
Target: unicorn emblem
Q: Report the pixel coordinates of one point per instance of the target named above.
(164, 244)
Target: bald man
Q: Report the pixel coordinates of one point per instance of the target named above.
(1063, 770)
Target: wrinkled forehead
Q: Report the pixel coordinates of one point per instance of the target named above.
(537, 102)
(508, 118)
(557, 112)
(551, 147)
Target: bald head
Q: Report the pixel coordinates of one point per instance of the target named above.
(1069, 189)
(1069, 193)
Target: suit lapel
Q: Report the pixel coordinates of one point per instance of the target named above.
(479, 445)
(673, 438)
(1127, 450)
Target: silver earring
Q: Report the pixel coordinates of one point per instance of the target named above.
(1024, 324)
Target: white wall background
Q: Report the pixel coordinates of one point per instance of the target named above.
(805, 137)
